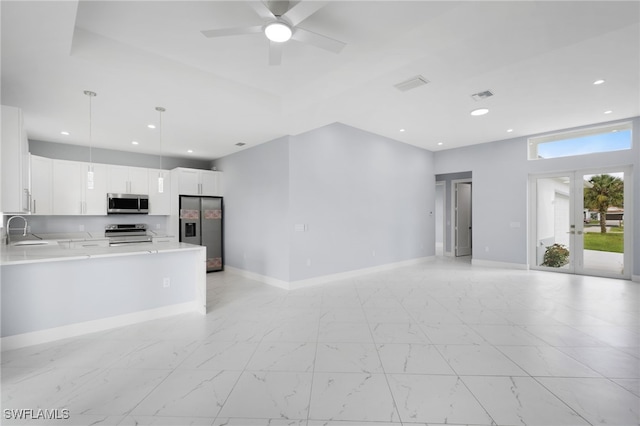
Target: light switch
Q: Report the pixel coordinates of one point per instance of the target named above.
(300, 227)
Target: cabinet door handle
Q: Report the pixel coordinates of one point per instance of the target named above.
(34, 207)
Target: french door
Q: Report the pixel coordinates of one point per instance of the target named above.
(581, 222)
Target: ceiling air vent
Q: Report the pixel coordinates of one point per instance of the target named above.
(240, 144)
(412, 83)
(482, 95)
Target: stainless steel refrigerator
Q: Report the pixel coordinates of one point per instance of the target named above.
(201, 224)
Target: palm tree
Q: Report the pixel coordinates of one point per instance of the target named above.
(605, 191)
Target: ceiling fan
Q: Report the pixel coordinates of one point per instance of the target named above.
(281, 19)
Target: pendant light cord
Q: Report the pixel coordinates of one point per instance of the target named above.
(90, 94)
(160, 111)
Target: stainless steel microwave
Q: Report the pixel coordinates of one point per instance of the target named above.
(127, 204)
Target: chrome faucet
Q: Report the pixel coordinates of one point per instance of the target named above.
(24, 231)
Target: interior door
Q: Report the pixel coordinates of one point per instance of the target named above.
(463, 219)
(582, 224)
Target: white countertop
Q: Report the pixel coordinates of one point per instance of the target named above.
(16, 255)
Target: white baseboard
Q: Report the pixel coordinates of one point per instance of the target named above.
(356, 273)
(493, 264)
(78, 329)
(262, 278)
(293, 285)
(635, 278)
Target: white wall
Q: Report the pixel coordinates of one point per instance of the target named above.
(500, 190)
(365, 201)
(256, 203)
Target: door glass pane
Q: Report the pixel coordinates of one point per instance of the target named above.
(603, 210)
(553, 225)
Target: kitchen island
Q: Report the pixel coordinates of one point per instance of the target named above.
(51, 290)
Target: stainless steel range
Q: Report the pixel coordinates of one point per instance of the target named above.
(121, 234)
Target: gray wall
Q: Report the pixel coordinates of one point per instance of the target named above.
(500, 190)
(364, 198)
(256, 202)
(357, 193)
(61, 151)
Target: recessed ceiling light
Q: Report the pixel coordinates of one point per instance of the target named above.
(64, 133)
(151, 126)
(509, 130)
(597, 82)
(134, 142)
(278, 32)
(402, 130)
(479, 111)
(440, 143)
(189, 151)
(608, 111)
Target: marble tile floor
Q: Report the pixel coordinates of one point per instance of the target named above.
(443, 342)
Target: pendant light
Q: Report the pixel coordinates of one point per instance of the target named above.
(90, 183)
(160, 178)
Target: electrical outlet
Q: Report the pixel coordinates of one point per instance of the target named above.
(166, 282)
(81, 228)
(373, 253)
(308, 262)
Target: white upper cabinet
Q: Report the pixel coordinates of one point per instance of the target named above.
(15, 195)
(159, 202)
(70, 193)
(128, 180)
(41, 185)
(197, 182)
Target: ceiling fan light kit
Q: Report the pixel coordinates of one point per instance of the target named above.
(281, 19)
(278, 32)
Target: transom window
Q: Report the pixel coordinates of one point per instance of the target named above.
(614, 137)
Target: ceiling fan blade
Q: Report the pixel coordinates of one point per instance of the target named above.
(303, 10)
(262, 10)
(275, 53)
(323, 42)
(223, 32)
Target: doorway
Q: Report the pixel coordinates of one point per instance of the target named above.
(581, 222)
(462, 210)
(440, 216)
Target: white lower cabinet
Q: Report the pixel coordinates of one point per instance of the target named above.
(88, 243)
(71, 195)
(164, 239)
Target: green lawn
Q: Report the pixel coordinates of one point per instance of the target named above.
(611, 241)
